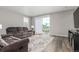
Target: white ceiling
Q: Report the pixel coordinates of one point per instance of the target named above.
(37, 10)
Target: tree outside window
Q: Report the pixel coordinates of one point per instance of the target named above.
(46, 24)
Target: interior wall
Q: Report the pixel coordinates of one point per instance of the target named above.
(9, 19)
(61, 22)
(30, 22)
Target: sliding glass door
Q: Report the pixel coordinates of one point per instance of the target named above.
(42, 24)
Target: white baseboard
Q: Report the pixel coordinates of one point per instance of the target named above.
(59, 35)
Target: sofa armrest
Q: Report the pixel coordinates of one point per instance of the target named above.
(4, 43)
(29, 30)
(15, 38)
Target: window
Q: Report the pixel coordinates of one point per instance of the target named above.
(46, 24)
(0, 26)
(26, 22)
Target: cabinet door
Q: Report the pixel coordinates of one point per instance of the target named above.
(76, 42)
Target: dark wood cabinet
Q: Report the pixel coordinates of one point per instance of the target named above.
(74, 40)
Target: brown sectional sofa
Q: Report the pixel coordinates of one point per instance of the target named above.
(21, 45)
(20, 32)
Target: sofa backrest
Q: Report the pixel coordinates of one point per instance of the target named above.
(14, 30)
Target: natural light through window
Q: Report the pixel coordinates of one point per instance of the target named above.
(46, 24)
(26, 22)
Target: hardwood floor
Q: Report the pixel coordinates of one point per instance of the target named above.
(59, 44)
(47, 43)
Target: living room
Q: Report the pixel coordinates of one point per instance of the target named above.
(47, 28)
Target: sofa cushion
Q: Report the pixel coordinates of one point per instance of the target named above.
(19, 29)
(25, 29)
(11, 30)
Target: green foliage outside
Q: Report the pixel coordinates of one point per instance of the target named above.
(45, 28)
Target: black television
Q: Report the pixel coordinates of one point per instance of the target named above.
(76, 18)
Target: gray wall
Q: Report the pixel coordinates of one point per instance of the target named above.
(9, 19)
(61, 22)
